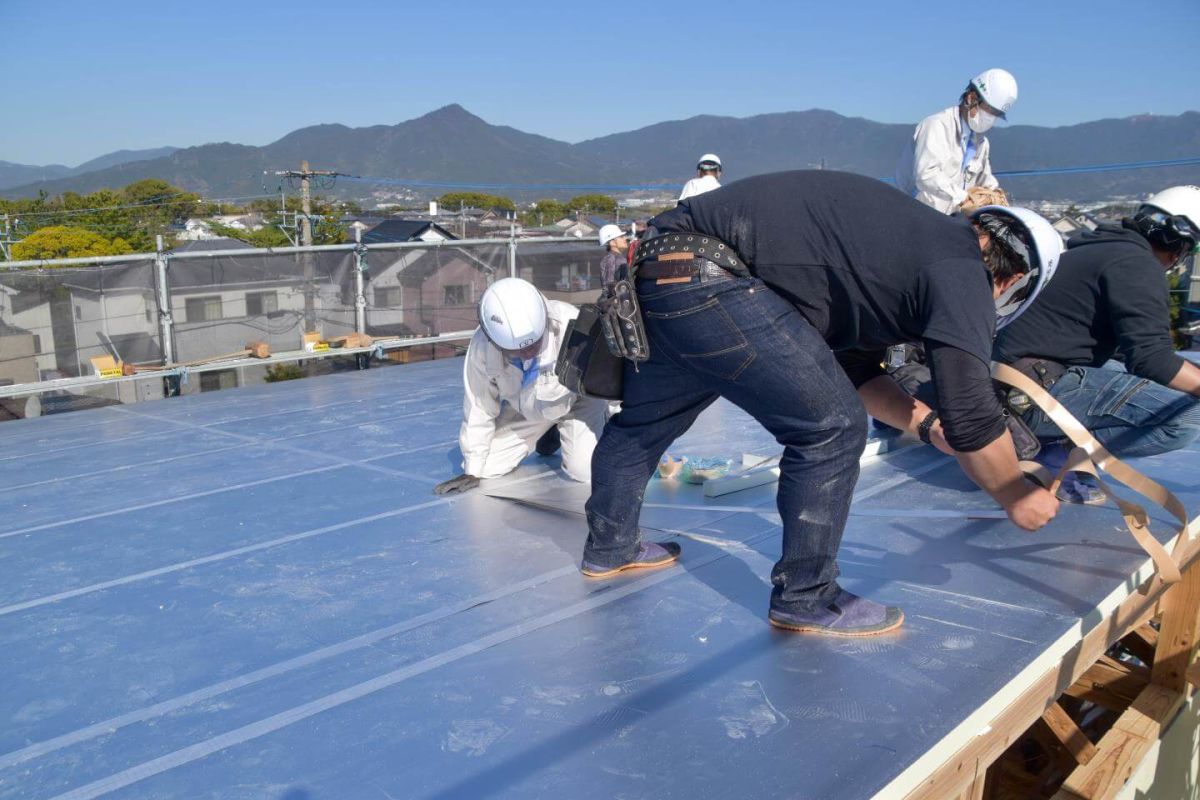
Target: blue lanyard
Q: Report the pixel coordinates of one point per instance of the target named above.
(969, 150)
(529, 375)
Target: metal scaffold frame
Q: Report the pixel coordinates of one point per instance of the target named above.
(162, 259)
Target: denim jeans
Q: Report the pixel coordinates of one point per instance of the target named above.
(735, 338)
(1130, 416)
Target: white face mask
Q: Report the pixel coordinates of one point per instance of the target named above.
(982, 121)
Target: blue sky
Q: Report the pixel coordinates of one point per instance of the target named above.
(85, 78)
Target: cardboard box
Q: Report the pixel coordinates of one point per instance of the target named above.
(107, 367)
(353, 340)
(313, 344)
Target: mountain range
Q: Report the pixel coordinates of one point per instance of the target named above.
(18, 174)
(453, 145)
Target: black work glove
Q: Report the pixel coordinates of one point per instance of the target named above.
(460, 483)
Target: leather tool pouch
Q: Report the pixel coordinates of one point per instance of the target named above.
(1024, 440)
(585, 365)
(622, 322)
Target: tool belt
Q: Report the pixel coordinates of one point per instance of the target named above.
(686, 255)
(1090, 456)
(1043, 372)
(585, 365)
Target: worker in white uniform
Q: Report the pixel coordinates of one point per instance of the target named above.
(513, 401)
(708, 170)
(947, 163)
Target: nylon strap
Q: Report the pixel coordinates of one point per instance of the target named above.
(1090, 456)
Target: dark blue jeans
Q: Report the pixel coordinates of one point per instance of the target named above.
(735, 338)
(1130, 416)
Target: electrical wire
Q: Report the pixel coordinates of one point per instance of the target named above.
(1128, 165)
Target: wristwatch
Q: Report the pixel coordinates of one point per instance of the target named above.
(925, 426)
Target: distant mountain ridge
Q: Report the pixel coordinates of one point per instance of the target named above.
(453, 145)
(18, 174)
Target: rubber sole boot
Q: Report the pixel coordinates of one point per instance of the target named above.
(650, 555)
(550, 442)
(847, 615)
(1079, 488)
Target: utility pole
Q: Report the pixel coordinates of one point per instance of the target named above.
(306, 175)
(6, 236)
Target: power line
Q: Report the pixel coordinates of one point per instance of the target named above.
(1090, 168)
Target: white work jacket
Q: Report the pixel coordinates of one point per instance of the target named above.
(491, 379)
(705, 183)
(931, 168)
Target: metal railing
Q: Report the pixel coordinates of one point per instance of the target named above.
(173, 313)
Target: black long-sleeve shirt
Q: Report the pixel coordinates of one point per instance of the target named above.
(1108, 298)
(868, 267)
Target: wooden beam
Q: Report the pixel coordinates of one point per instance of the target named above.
(1141, 643)
(1122, 749)
(1110, 683)
(1068, 734)
(954, 773)
(1179, 633)
(1193, 674)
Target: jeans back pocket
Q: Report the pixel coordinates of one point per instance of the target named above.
(703, 337)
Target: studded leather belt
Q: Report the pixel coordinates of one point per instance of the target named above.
(684, 255)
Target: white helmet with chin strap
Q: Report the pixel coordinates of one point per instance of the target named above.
(609, 232)
(1033, 239)
(997, 88)
(1170, 220)
(512, 313)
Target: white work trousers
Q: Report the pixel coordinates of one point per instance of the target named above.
(516, 436)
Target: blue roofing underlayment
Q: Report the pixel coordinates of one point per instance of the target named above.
(255, 594)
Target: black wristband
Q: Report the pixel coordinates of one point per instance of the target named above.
(926, 424)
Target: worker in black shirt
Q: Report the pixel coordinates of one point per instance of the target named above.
(836, 262)
(1109, 299)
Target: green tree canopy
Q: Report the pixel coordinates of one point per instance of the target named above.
(452, 201)
(61, 241)
(544, 212)
(592, 204)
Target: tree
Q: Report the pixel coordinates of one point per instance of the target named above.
(61, 241)
(544, 212)
(592, 204)
(454, 200)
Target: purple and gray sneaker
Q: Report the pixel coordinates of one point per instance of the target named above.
(649, 556)
(847, 615)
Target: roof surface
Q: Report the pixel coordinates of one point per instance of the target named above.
(254, 593)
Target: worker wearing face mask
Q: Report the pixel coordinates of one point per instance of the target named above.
(514, 404)
(946, 165)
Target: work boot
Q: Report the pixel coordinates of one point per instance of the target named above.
(847, 615)
(550, 442)
(1076, 487)
(650, 555)
(1080, 488)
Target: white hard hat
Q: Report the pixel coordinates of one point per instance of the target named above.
(1178, 201)
(609, 232)
(1040, 245)
(512, 313)
(708, 158)
(998, 88)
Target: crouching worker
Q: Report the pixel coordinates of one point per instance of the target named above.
(827, 262)
(513, 402)
(1109, 300)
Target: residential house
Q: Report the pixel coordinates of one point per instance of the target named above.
(406, 230)
(18, 355)
(1070, 224)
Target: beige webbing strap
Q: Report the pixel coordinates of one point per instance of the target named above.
(1090, 454)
